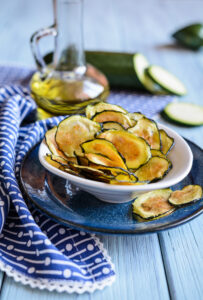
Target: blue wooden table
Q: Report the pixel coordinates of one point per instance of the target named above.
(168, 265)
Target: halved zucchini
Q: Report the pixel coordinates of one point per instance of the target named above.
(73, 131)
(153, 204)
(112, 125)
(51, 142)
(166, 80)
(167, 142)
(135, 150)
(148, 130)
(106, 150)
(114, 116)
(188, 194)
(157, 153)
(156, 168)
(93, 109)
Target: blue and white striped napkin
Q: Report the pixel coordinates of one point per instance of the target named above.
(34, 249)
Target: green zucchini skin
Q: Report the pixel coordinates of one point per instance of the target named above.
(118, 68)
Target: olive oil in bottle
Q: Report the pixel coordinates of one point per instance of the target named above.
(67, 85)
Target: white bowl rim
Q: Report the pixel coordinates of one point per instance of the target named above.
(43, 150)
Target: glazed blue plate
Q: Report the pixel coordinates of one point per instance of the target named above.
(74, 208)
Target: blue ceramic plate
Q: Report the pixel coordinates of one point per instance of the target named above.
(80, 210)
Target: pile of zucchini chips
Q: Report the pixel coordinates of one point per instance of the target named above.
(110, 145)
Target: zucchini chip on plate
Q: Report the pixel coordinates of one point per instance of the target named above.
(153, 204)
(188, 194)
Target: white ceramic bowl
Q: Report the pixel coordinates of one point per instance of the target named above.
(180, 156)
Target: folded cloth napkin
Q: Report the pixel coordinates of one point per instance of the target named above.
(34, 249)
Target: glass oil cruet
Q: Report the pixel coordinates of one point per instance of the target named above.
(66, 85)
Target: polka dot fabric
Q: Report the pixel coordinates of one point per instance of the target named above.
(33, 248)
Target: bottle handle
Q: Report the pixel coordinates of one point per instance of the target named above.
(34, 42)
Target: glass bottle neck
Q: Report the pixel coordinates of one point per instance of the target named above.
(69, 56)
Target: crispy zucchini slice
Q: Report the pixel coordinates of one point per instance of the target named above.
(51, 142)
(73, 131)
(123, 182)
(52, 162)
(136, 116)
(135, 150)
(156, 168)
(112, 125)
(113, 116)
(93, 109)
(148, 130)
(113, 171)
(167, 142)
(188, 194)
(59, 159)
(157, 153)
(91, 173)
(153, 204)
(107, 152)
(82, 161)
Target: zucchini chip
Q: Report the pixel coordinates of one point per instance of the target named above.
(60, 160)
(93, 109)
(156, 168)
(51, 142)
(167, 142)
(123, 182)
(105, 152)
(157, 153)
(135, 150)
(188, 194)
(153, 204)
(136, 116)
(91, 173)
(114, 171)
(82, 161)
(148, 130)
(52, 162)
(112, 125)
(113, 116)
(73, 131)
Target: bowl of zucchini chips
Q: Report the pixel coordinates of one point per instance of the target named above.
(115, 155)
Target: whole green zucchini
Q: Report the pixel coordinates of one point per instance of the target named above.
(118, 68)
